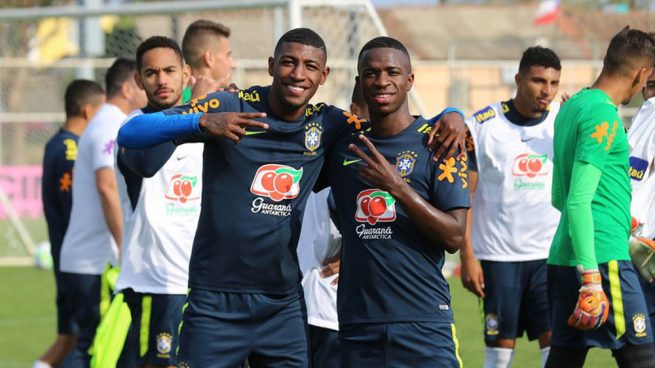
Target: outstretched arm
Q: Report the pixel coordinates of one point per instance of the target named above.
(147, 130)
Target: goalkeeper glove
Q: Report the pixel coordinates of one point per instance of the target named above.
(592, 307)
(641, 252)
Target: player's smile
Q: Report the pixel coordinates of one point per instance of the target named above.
(385, 78)
(297, 70)
(295, 90)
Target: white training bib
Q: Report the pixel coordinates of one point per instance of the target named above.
(513, 219)
(158, 234)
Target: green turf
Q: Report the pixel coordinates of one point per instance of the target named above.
(27, 323)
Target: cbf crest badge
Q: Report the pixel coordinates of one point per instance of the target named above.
(405, 162)
(164, 344)
(639, 324)
(313, 132)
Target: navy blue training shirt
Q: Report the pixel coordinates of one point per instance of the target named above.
(254, 193)
(56, 185)
(390, 271)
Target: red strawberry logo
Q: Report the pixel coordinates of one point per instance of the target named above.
(277, 182)
(180, 188)
(530, 165)
(374, 205)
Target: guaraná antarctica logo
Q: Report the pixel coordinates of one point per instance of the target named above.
(277, 182)
(375, 205)
(182, 188)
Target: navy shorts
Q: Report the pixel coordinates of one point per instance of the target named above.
(628, 320)
(324, 345)
(515, 299)
(78, 307)
(221, 329)
(64, 283)
(399, 345)
(156, 318)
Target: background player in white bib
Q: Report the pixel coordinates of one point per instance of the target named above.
(95, 227)
(513, 221)
(160, 195)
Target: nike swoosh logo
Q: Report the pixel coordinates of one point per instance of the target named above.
(347, 162)
(253, 132)
(525, 139)
(181, 157)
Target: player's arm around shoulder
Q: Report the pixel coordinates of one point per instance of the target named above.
(446, 228)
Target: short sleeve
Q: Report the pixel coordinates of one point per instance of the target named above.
(103, 143)
(451, 184)
(595, 135)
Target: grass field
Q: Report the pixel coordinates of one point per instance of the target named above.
(27, 323)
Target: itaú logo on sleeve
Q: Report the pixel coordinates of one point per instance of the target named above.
(277, 182)
(638, 168)
(530, 165)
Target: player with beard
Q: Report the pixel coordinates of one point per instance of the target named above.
(160, 194)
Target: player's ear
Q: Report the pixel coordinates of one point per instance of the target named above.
(186, 74)
(324, 74)
(87, 111)
(137, 80)
(208, 58)
(271, 63)
(410, 81)
(517, 78)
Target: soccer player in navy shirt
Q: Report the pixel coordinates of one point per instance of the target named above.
(399, 211)
(244, 298)
(82, 99)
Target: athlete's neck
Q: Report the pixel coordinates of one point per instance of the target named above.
(386, 125)
(75, 125)
(615, 87)
(124, 105)
(154, 108)
(524, 109)
(284, 111)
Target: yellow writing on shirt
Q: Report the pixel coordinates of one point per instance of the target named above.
(600, 131)
(71, 149)
(463, 175)
(311, 110)
(610, 139)
(204, 106)
(249, 96)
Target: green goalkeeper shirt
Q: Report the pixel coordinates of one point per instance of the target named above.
(588, 130)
